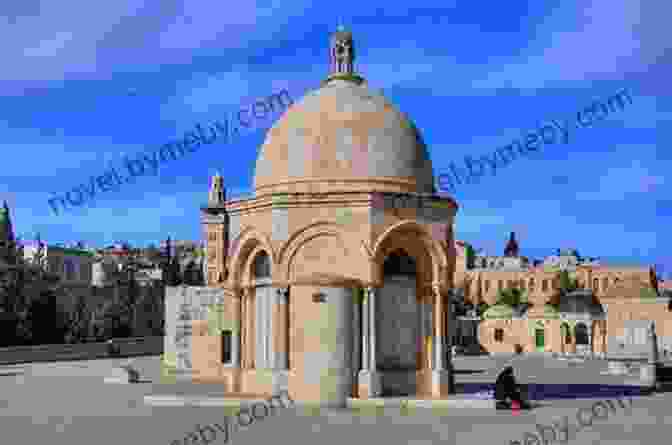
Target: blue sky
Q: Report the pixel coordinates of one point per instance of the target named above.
(81, 90)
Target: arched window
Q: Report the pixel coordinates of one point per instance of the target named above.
(531, 284)
(399, 263)
(263, 310)
(596, 284)
(499, 335)
(486, 285)
(544, 285)
(581, 334)
(605, 283)
(262, 266)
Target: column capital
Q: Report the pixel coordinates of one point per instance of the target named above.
(283, 294)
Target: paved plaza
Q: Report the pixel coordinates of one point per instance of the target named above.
(68, 403)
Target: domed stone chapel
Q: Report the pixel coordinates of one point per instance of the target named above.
(337, 272)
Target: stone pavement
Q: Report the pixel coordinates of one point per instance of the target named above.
(68, 403)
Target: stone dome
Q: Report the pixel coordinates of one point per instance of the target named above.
(343, 136)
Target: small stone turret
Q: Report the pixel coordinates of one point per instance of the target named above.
(215, 222)
(511, 249)
(217, 195)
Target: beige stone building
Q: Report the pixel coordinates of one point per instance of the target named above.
(331, 289)
(592, 320)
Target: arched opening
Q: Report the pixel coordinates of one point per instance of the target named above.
(582, 338)
(262, 266)
(398, 324)
(566, 338)
(263, 306)
(581, 334)
(539, 338)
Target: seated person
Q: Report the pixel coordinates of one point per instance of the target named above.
(507, 390)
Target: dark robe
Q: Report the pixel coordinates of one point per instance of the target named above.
(506, 387)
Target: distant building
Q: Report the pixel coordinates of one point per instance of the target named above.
(568, 259)
(72, 266)
(546, 321)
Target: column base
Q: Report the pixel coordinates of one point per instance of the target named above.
(647, 375)
(443, 382)
(369, 384)
(280, 380)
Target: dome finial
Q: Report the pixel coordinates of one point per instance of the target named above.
(342, 56)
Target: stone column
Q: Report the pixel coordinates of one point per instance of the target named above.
(243, 328)
(249, 323)
(372, 329)
(356, 340)
(441, 377)
(603, 331)
(370, 380)
(648, 371)
(236, 340)
(421, 330)
(281, 348)
(439, 331)
(365, 332)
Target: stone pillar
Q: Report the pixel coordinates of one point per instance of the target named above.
(365, 332)
(648, 372)
(249, 323)
(441, 377)
(603, 331)
(281, 356)
(370, 380)
(372, 329)
(243, 326)
(356, 340)
(237, 308)
(421, 330)
(439, 331)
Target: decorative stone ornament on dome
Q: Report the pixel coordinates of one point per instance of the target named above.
(342, 57)
(217, 195)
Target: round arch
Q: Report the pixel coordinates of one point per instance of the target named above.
(581, 334)
(249, 242)
(405, 235)
(308, 233)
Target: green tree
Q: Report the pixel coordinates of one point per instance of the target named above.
(510, 297)
(44, 322)
(78, 323)
(482, 307)
(470, 254)
(566, 283)
(111, 319)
